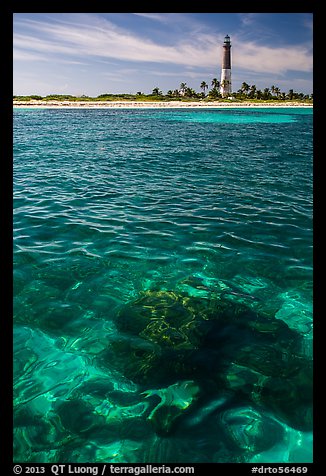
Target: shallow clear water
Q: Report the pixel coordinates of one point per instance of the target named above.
(163, 285)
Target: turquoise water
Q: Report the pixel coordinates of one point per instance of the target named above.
(163, 285)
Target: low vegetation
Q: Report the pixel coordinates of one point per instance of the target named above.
(184, 93)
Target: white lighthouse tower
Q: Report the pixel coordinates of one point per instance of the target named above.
(226, 87)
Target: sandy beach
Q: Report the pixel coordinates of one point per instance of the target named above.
(151, 105)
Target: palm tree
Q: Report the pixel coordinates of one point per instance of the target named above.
(245, 88)
(290, 94)
(190, 93)
(204, 86)
(253, 89)
(259, 94)
(267, 93)
(215, 83)
(156, 91)
(183, 87)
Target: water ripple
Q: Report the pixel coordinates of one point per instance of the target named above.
(113, 208)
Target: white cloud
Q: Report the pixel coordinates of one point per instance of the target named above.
(32, 44)
(90, 36)
(259, 58)
(23, 55)
(106, 40)
(248, 19)
(153, 16)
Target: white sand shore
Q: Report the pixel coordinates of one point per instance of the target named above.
(150, 105)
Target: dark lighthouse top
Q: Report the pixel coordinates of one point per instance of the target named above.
(226, 61)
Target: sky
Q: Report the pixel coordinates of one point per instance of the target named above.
(97, 53)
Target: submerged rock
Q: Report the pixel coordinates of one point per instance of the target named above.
(287, 394)
(169, 337)
(174, 400)
(289, 398)
(248, 430)
(162, 317)
(77, 416)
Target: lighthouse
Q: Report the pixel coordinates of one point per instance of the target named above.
(226, 87)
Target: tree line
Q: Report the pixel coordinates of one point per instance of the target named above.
(246, 92)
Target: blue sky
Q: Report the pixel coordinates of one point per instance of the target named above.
(96, 53)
